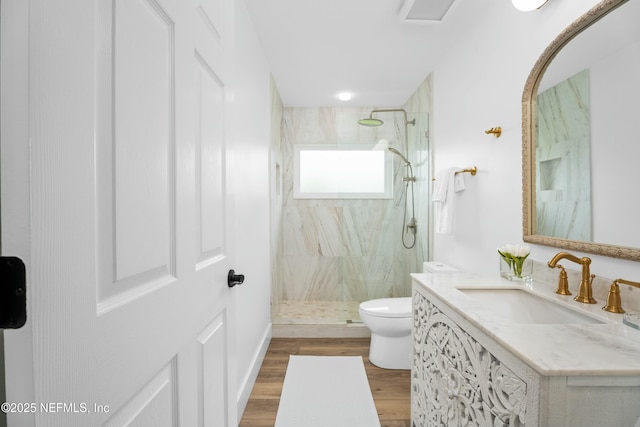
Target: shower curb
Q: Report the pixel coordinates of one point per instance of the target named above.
(321, 331)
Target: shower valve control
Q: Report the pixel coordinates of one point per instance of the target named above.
(234, 279)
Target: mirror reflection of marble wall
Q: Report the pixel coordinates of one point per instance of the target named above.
(610, 51)
(563, 173)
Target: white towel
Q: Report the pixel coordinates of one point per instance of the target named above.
(441, 185)
(458, 182)
(447, 183)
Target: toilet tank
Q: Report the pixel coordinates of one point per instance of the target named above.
(437, 267)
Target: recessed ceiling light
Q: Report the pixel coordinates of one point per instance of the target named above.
(344, 96)
(528, 5)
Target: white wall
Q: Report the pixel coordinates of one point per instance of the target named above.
(479, 85)
(251, 134)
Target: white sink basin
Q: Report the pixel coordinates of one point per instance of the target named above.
(521, 306)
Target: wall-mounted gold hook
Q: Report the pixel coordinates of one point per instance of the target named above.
(496, 131)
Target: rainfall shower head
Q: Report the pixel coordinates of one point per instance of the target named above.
(370, 121)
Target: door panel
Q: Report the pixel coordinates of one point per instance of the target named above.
(137, 153)
(154, 405)
(144, 123)
(213, 374)
(210, 138)
(129, 213)
(210, 150)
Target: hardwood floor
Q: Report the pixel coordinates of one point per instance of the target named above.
(390, 388)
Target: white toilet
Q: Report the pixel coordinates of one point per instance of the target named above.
(389, 320)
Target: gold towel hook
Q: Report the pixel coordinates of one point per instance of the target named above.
(496, 131)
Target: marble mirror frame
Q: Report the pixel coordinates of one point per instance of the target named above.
(529, 101)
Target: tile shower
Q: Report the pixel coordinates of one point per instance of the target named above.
(333, 254)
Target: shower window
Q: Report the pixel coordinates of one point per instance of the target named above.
(345, 171)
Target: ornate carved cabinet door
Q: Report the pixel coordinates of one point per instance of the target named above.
(456, 381)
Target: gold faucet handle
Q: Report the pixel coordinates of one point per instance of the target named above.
(614, 303)
(563, 282)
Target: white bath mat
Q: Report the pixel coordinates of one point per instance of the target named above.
(326, 391)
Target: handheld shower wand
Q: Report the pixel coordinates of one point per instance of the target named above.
(394, 151)
(409, 179)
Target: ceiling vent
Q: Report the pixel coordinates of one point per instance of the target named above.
(424, 10)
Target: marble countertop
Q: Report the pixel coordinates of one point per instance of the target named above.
(610, 348)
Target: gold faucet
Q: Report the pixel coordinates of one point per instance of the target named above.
(614, 304)
(585, 294)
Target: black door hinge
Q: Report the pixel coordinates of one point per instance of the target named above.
(13, 293)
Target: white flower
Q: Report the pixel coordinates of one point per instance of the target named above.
(515, 250)
(514, 256)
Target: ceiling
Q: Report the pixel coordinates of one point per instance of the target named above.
(318, 48)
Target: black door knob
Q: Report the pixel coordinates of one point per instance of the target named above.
(234, 279)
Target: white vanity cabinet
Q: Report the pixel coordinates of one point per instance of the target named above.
(461, 376)
(462, 379)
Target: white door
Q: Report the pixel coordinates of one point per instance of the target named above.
(114, 184)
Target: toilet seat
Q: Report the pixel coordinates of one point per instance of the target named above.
(387, 307)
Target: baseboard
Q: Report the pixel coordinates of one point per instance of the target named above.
(247, 385)
(321, 331)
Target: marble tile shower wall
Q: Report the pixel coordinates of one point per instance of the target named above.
(344, 250)
(275, 192)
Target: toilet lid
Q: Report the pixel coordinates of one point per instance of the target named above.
(387, 307)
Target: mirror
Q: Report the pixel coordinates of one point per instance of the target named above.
(589, 73)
